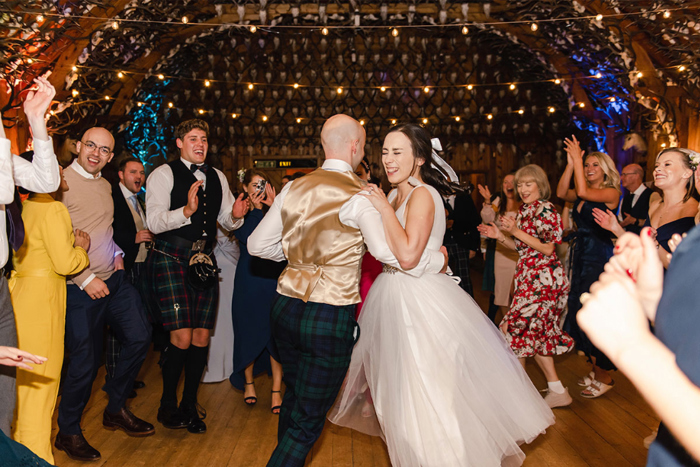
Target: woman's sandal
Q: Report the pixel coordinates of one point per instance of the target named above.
(586, 380)
(276, 408)
(596, 389)
(251, 400)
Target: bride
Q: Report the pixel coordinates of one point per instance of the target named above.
(444, 387)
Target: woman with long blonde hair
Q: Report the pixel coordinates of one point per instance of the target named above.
(597, 185)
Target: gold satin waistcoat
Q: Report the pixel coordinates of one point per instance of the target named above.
(324, 255)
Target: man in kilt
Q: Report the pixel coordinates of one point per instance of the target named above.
(184, 201)
(320, 224)
(461, 237)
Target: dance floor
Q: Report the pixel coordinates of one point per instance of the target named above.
(602, 432)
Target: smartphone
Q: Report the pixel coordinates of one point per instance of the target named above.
(261, 187)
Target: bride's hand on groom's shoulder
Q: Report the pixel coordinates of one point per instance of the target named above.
(376, 196)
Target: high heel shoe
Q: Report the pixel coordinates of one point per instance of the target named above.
(251, 400)
(276, 408)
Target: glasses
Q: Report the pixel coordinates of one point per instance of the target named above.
(103, 150)
(628, 174)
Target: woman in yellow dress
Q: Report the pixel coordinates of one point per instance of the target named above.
(38, 288)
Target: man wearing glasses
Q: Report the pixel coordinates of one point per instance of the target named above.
(99, 295)
(635, 205)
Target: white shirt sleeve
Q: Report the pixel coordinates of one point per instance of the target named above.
(159, 217)
(359, 213)
(7, 181)
(266, 239)
(225, 216)
(42, 174)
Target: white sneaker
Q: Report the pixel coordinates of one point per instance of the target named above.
(554, 399)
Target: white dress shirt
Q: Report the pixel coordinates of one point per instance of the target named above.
(358, 213)
(40, 176)
(637, 193)
(161, 219)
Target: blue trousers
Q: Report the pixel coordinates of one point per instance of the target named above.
(123, 311)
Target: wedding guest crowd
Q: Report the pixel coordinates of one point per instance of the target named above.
(105, 258)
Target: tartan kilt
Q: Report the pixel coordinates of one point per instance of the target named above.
(180, 305)
(458, 260)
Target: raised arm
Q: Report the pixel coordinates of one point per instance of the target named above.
(609, 196)
(563, 190)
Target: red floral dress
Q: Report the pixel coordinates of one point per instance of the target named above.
(541, 288)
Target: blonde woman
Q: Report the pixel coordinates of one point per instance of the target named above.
(597, 185)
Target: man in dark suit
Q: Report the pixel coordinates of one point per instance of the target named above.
(635, 205)
(461, 237)
(132, 236)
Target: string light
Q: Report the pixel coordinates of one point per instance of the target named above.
(512, 87)
(581, 104)
(207, 83)
(521, 111)
(253, 29)
(395, 32)
(393, 121)
(75, 92)
(639, 74)
(234, 115)
(457, 119)
(470, 87)
(74, 68)
(663, 145)
(551, 110)
(534, 27)
(557, 81)
(120, 75)
(30, 61)
(383, 88)
(681, 68)
(106, 98)
(612, 99)
(170, 105)
(184, 20)
(324, 31)
(599, 75)
(339, 90)
(298, 120)
(425, 121)
(264, 118)
(426, 89)
(296, 85)
(250, 86)
(362, 122)
(598, 17)
(40, 19)
(465, 30)
(667, 14)
(161, 76)
(139, 104)
(201, 111)
(115, 25)
(489, 116)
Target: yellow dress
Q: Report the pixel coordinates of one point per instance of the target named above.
(38, 290)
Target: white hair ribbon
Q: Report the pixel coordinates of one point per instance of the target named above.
(439, 161)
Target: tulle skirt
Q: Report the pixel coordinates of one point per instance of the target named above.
(436, 380)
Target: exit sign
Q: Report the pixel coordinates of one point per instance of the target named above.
(286, 163)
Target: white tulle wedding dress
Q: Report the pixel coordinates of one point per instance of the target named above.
(434, 377)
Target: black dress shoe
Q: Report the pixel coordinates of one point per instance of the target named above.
(139, 385)
(172, 418)
(76, 447)
(130, 423)
(196, 415)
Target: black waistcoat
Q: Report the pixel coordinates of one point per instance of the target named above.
(204, 219)
(640, 210)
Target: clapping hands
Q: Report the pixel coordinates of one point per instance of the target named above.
(573, 150)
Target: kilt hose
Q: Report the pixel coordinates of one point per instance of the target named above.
(180, 306)
(458, 260)
(315, 342)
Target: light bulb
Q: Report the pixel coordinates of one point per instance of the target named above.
(234, 115)
(298, 120)
(465, 30)
(339, 90)
(250, 86)
(393, 121)
(106, 98)
(639, 74)
(75, 92)
(457, 119)
(598, 17)
(296, 85)
(395, 32)
(161, 76)
(253, 29)
(426, 89)
(489, 116)
(324, 31)
(470, 87)
(551, 110)
(667, 14)
(557, 81)
(512, 86)
(383, 88)
(581, 105)
(207, 83)
(599, 75)
(120, 74)
(362, 122)
(534, 26)
(115, 25)
(184, 20)
(74, 68)
(170, 105)
(681, 68)
(425, 121)
(264, 119)
(521, 111)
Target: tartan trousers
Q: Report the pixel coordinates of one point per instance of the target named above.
(315, 342)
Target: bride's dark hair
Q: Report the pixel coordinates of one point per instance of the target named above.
(431, 173)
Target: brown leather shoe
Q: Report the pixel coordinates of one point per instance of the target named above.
(76, 447)
(130, 423)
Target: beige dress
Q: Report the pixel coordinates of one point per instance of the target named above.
(504, 259)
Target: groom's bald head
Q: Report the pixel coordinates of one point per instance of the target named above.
(343, 138)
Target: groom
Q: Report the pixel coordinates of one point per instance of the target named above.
(320, 224)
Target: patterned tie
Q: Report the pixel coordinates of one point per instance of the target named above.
(137, 207)
(202, 167)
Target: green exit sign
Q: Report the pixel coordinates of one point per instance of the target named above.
(265, 164)
(286, 163)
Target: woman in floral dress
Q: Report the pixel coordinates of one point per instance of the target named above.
(531, 326)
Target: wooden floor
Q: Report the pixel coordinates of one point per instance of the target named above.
(605, 432)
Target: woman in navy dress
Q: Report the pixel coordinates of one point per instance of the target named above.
(253, 291)
(597, 185)
(671, 212)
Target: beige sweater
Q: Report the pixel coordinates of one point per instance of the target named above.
(89, 202)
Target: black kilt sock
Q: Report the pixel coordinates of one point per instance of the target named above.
(173, 363)
(194, 369)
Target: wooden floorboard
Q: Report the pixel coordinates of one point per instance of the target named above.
(603, 432)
